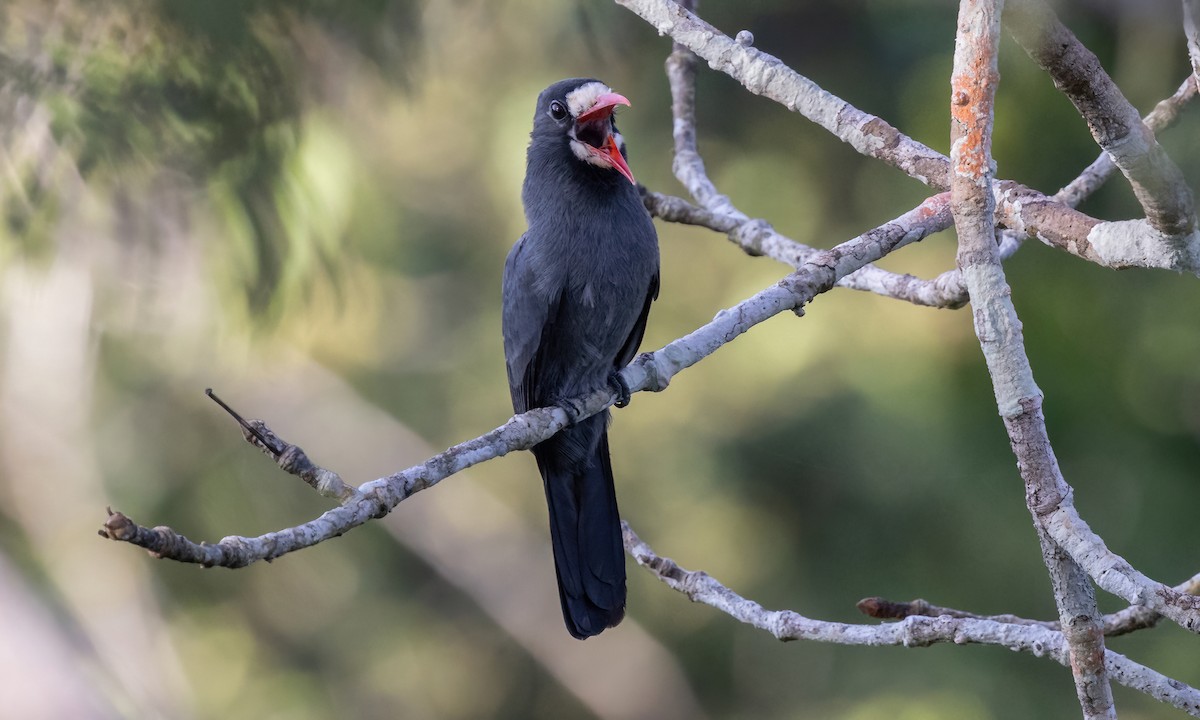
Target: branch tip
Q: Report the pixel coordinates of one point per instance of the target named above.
(246, 427)
(881, 608)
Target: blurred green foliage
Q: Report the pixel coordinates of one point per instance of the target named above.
(249, 180)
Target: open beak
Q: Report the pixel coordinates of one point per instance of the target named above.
(603, 107)
(599, 113)
(613, 153)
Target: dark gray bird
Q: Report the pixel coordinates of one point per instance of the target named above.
(577, 290)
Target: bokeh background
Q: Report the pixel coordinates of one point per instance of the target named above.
(306, 206)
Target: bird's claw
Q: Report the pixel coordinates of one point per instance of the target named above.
(620, 388)
(571, 408)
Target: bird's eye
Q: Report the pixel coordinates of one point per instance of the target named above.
(558, 111)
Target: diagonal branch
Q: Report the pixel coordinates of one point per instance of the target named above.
(765, 75)
(913, 631)
(1115, 245)
(1115, 124)
(973, 86)
(1164, 114)
(650, 371)
(756, 236)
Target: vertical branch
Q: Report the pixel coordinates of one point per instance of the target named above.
(973, 86)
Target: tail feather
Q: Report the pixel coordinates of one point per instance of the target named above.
(585, 531)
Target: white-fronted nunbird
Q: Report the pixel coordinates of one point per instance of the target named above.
(577, 291)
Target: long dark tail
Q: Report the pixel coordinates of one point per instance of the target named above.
(585, 527)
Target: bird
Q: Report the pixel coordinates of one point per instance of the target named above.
(577, 290)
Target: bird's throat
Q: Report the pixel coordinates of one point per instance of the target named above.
(596, 144)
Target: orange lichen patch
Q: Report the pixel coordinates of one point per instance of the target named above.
(971, 112)
(935, 205)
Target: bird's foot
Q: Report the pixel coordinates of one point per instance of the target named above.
(620, 388)
(572, 408)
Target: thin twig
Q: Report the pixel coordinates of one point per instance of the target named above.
(884, 609)
(1132, 618)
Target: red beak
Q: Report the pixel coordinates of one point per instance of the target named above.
(613, 153)
(602, 109)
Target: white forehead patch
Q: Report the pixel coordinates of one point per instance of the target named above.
(582, 98)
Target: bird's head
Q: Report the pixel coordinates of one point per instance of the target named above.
(581, 112)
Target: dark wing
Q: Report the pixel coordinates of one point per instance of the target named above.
(630, 348)
(525, 316)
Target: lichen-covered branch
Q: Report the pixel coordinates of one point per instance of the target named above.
(1161, 117)
(912, 631)
(1115, 245)
(1113, 121)
(1191, 30)
(1111, 571)
(973, 90)
(649, 371)
(765, 75)
(756, 236)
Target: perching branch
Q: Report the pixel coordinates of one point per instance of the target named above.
(650, 371)
(976, 204)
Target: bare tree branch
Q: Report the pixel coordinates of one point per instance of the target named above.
(1110, 571)
(1137, 617)
(1161, 117)
(1191, 29)
(756, 236)
(947, 290)
(765, 75)
(973, 86)
(1113, 121)
(1115, 245)
(1132, 618)
(913, 631)
(884, 609)
(650, 371)
(976, 203)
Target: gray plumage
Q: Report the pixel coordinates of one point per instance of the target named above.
(577, 291)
